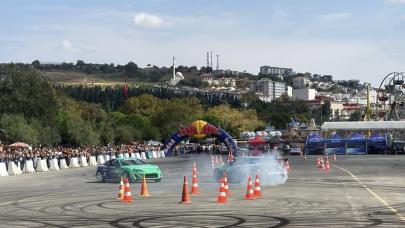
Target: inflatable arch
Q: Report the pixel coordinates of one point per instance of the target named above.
(200, 129)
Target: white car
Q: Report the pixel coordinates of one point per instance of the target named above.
(295, 151)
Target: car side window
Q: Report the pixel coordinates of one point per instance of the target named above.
(108, 163)
(115, 163)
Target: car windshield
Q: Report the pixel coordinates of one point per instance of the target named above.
(132, 162)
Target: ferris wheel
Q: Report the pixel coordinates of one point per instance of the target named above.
(391, 97)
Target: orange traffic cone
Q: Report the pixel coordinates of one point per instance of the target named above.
(287, 166)
(222, 193)
(195, 168)
(318, 162)
(334, 157)
(327, 165)
(257, 192)
(144, 188)
(227, 190)
(322, 164)
(194, 184)
(249, 192)
(185, 197)
(305, 157)
(121, 190)
(127, 195)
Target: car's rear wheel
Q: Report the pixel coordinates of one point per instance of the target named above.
(99, 177)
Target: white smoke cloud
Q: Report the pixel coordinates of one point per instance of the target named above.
(149, 20)
(68, 46)
(270, 169)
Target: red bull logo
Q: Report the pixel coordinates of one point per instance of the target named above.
(199, 129)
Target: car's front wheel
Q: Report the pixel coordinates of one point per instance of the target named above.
(99, 177)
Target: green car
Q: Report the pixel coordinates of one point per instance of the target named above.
(131, 168)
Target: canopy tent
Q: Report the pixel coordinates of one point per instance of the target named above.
(356, 143)
(378, 137)
(276, 140)
(19, 145)
(364, 125)
(153, 143)
(314, 144)
(257, 141)
(356, 137)
(335, 145)
(377, 144)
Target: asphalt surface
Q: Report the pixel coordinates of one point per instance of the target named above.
(364, 191)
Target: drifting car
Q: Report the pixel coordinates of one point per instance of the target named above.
(242, 167)
(132, 168)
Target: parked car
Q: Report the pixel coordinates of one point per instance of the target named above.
(398, 147)
(132, 168)
(295, 151)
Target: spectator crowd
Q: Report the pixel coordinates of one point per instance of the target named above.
(21, 155)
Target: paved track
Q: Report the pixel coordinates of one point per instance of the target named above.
(364, 191)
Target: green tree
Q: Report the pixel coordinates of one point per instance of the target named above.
(17, 129)
(131, 69)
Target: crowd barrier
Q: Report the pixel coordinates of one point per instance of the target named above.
(74, 162)
(54, 165)
(42, 166)
(29, 167)
(106, 157)
(3, 170)
(143, 155)
(63, 164)
(92, 161)
(11, 168)
(100, 159)
(83, 162)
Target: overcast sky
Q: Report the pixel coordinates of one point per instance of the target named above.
(361, 39)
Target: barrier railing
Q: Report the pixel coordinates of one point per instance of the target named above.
(54, 164)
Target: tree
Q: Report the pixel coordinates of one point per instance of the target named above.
(80, 64)
(131, 69)
(18, 129)
(36, 64)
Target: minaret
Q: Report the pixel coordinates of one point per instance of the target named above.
(211, 61)
(174, 69)
(217, 62)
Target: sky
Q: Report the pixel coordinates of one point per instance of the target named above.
(349, 39)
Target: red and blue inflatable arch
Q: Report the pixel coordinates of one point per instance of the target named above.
(200, 129)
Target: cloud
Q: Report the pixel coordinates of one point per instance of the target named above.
(149, 20)
(335, 16)
(67, 46)
(395, 1)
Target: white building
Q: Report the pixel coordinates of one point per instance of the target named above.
(267, 90)
(289, 91)
(305, 94)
